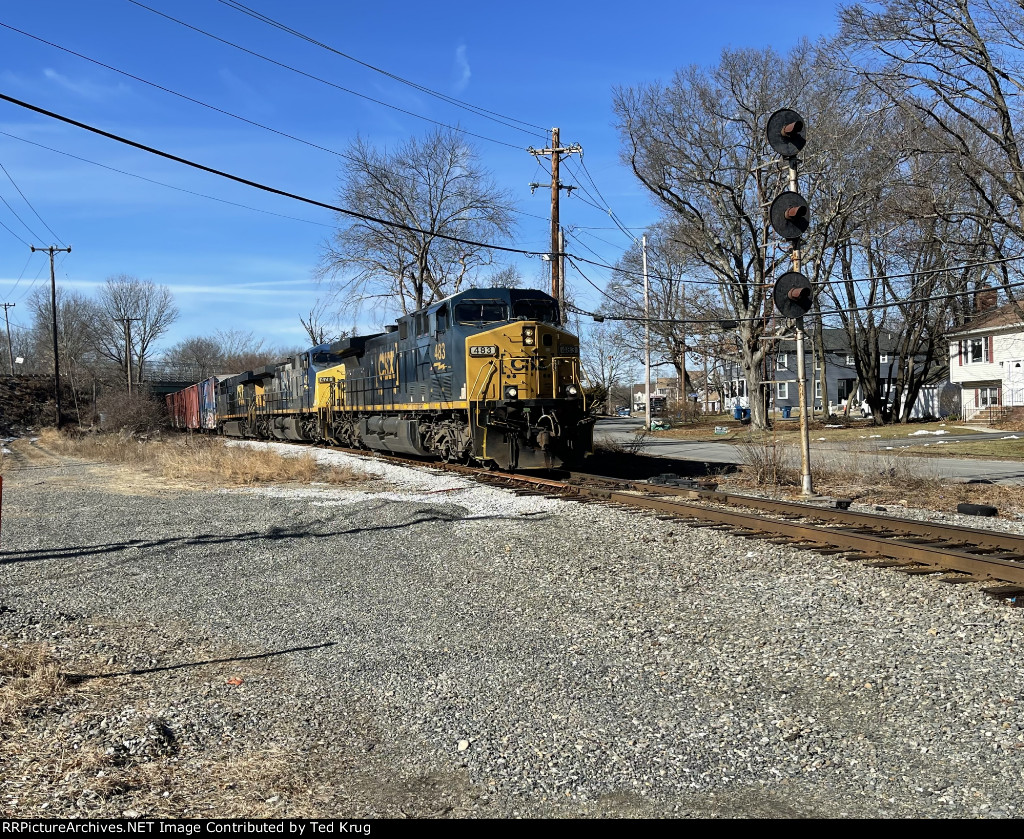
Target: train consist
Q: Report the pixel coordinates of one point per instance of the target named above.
(487, 375)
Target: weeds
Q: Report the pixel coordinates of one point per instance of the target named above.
(768, 463)
(28, 676)
(196, 457)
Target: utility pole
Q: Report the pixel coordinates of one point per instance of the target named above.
(555, 152)
(647, 334)
(10, 351)
(127, 324)
(53, 311)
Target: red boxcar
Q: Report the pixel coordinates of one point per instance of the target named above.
(183, 408)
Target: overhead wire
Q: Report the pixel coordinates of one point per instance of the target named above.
(496, 116)
(256, 184)
(322, 80)
(29, 203)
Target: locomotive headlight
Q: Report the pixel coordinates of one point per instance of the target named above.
(529, 335)
(572, 390)
(511, 392)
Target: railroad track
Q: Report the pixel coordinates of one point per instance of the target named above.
(950, 553)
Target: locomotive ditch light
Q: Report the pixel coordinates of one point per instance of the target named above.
(511, 392)
(786, 132)
(792, 295)
(790, 215)
(572, 390)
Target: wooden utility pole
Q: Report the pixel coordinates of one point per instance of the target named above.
(53, 311)
(557, 252)
(127, 324)
(10, 350)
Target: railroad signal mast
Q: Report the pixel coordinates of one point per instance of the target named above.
(790, 217)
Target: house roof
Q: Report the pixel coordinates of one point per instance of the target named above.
(1004, 316)
(838, 341)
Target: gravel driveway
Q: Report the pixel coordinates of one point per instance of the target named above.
(418, 645)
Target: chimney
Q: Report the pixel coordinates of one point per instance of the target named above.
(985, 298)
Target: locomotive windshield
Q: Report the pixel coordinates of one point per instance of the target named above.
(542, 310)
(326, 358)
(480, 312)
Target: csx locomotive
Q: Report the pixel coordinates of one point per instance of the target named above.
(487, 375)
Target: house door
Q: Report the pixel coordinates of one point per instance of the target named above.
(1013, 382)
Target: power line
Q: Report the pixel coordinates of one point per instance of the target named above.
(451, 100)
(257, 184)
(15, 235)
(322, 80)
(33, 209)
(188, 191)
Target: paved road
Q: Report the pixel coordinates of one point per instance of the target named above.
(832, 456)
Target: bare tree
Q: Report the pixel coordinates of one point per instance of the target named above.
(680, 310)
(152, 309)
(321, 325)
(698, 146)
(436, 191)
(605, 360)
(244, 351)
(956, 66)
(195, 358)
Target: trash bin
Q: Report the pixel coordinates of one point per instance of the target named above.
(787, 411)
(737, 413)
(746, 413)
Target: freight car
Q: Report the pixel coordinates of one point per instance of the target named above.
(487, 375)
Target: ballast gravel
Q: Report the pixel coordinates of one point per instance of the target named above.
(420, 645)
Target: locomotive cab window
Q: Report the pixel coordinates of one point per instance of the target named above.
(403, 329)
(480, 313)
(441, 319)
(542, 310)
(421, 324)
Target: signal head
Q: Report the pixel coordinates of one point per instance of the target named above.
(792, 295)
(790, 215)
(787, 132)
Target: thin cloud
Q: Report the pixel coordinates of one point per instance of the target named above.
(462, 69)
(85, 89)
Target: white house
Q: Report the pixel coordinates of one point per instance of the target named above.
(986, 359)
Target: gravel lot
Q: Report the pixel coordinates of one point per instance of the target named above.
(422, 646)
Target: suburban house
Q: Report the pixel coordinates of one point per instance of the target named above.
(841, 384)
(986, 360)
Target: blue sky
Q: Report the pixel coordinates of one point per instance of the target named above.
(251, 267)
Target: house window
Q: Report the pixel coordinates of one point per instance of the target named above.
(817, 388)
(850, 361)
(987, 397)
(783, 390)
(780, 362)
(817, 364)
(977, 351)
(883, 358)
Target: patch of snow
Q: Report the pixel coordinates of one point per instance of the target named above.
(1010, 437)
(925, 431)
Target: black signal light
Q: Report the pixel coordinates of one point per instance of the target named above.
(787, 132)
(790, 215)
(792, 295)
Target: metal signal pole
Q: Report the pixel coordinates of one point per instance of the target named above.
(10, 350)
(556, 185)
(53, 311)
(647, 333)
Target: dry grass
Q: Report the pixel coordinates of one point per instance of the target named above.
(198, 458)
(28, 676)
(57, 760)
(890, 478)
